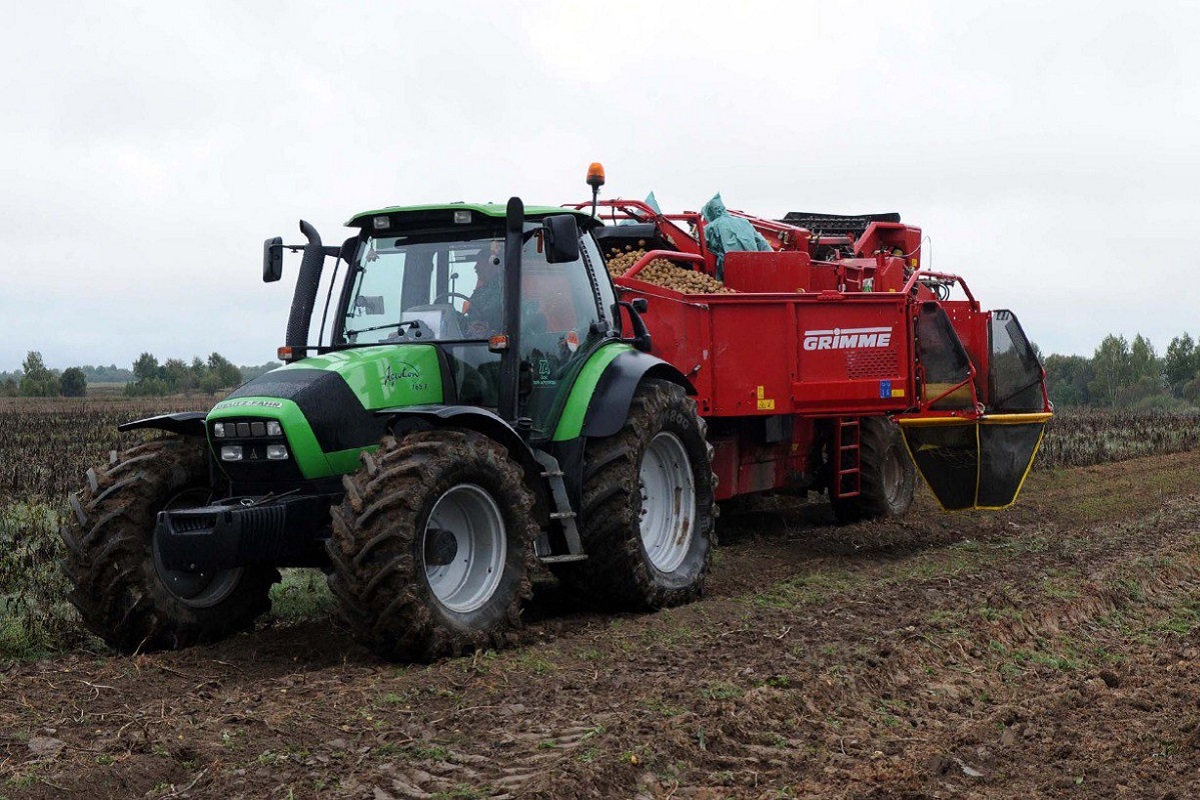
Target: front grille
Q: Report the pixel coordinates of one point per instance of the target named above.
(191, 523)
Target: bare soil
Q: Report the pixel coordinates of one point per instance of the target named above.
(1046, 651)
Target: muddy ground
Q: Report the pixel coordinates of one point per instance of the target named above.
(1046, 651)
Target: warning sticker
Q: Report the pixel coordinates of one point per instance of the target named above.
(764, 403)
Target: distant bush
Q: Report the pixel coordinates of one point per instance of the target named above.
(73, 383)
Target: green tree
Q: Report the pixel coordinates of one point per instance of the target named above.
(1181, 363)
(149, 379)
(34, 366)
(1113, 369)
(146, 368)
(1143, 361)
(1191, 391)
(38, 381)
(73, 382)
(199, 370)
(1068, 379)
(9, 388)
(222, 374)
(178, 375)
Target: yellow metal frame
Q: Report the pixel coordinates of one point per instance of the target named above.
(997, 419)
(994, 419)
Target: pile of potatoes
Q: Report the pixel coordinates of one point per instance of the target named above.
(662, 272)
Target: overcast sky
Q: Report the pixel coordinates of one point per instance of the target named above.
(1049, 150)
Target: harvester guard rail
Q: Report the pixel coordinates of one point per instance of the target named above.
(949, 277)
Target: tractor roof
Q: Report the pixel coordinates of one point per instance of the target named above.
(403, 214)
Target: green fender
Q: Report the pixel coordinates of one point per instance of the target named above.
(600, 399)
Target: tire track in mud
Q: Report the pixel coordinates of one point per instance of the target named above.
(756, 740)
(961, 655)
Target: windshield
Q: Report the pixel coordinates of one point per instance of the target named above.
(412, 288)
(427, 288)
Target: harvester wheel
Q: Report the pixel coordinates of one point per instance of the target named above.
(648, 506)
(433, 545)
(888, 477)
(120, 586)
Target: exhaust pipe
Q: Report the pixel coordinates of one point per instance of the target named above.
(510, 360)
(307, 283)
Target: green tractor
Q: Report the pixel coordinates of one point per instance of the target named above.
(473, 410)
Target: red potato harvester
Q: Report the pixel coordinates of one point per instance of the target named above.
(830, 339)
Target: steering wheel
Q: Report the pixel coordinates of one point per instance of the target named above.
(447, 296)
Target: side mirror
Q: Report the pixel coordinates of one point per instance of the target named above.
(562, 239)
(349, 250)
(641, 337)
(273, 259)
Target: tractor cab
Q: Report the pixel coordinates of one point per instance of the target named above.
(412, 283)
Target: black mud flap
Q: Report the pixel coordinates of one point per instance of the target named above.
(980, 463)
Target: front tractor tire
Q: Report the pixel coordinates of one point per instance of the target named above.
(888, 477)
(648, 506)
(433, 545)
(119, 585)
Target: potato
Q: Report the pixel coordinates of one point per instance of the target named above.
(662, 272)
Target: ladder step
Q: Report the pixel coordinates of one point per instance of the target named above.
(562, 515)
(847, 459)
(554, 474)
(562, 559)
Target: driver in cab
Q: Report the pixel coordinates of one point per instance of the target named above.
(485, 308)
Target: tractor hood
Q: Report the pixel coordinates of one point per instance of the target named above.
(325, 404)
(379, 377)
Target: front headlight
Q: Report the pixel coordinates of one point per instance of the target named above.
(277, 452)
(231, 452)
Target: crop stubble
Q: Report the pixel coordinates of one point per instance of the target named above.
(1042, 651)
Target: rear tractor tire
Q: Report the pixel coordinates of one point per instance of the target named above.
(433, 545)
(648, 506)
(120, 586)
(888, 476)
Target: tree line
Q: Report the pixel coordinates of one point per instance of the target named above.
(1120, 374)
(147, 377)
(1131, 375)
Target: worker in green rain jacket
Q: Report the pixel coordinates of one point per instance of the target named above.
(725, 233)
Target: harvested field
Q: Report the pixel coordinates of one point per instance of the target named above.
(1045, 651)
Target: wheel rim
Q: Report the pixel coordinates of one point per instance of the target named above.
(194, 589)
(668, 513)
(893, 476)
(464, 547)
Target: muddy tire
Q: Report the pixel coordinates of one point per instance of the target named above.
(433, 545)
(122, 591)
(888, 476)
(648, 507)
